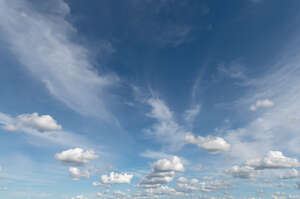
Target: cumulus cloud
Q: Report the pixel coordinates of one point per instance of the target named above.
(273, 160)
(76, 156)
(211, 144)
(62, 65)
(76, 173)
(262, 104)
(163, 172)
(116, 178)
(34, 121)
(241, 172)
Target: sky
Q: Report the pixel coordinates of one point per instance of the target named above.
(143, 99)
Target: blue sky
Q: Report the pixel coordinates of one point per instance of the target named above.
(149, 99)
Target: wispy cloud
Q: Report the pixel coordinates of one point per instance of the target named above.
(44, 43)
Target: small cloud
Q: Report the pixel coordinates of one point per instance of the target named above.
(116, 178)
(76, 156)
(76, 174)
(262, 104)
(210, 143)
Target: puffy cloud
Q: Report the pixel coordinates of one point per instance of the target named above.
(210, 143)
(163, 172)
(241, 172)
(273, 160)
(76, 174)
(76, 156)
(262, 103)
(173, 164)
(116, 178)
(34, 121)
(290, 174)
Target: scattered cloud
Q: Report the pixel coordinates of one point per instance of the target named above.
(242, 172)
(76, 156)
(76, 173)
(262, 104)
(211, 144)
(116, 178)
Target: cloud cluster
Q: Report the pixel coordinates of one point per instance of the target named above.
(242, 172)
(210, 143)
(262, 104)
(290, 174)
(33, 121)
(76, 156)
(116, 178)
(185, 185)
(163, 171)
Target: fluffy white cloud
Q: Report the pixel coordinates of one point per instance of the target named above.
(34, 121)
(116, 178)
(210, 143)
(273, 160)
(76, 156)
(241, 172)
(262, 103)
(163, 172)
(64, 66)
(173, 164)
(76, 174)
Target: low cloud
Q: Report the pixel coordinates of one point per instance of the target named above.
(76, 156)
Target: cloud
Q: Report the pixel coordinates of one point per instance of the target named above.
(34, 121)
(76, 174)
(290, 174)
(79, 197)
(166, 130)
(162, 172)
(76, 156)
(185, 185)
(55, 58)
(210, 143)
(241, 172)
(273, 160)
(155, 154)
(116, 178)
(191, 114)
(262, 104)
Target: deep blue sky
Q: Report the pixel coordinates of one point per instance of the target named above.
(149, 98)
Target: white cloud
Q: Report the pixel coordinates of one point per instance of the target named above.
(62, 65)
(79, 197)
(241, 172)
(185, 185)
(163, 172)
(290, 174)
(76, 156)
(273, 160)
(166, 130)
(3, 188)
(262, 104)
(210, 143)
(116, 178)
(34, 121)
(76, 174)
